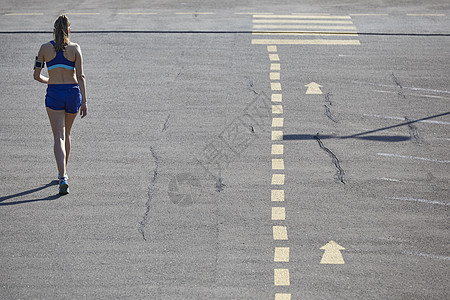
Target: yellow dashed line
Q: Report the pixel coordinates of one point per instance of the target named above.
(275, 86)
(277, 195)
(277, 122)
(278, 179)
(277, 149)
(277, 98)
(274, 57)
(282, 296)
(280, 233)
(277, 135)
(278, 213)
(274, 75)
(277, 109)
(275, 67)
(281, 254)
(281, 277)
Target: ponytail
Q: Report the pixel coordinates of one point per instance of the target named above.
(61, 33)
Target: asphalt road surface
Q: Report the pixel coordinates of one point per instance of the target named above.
(232, 151)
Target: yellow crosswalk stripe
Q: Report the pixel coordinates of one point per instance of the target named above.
(301, 21)
(304, 27)
(303, 42)
(302, 17)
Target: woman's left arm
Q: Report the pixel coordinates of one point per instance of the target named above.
(81, 80)
(37, 69)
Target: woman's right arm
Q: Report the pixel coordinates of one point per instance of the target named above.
(81, 81)
(37, 71)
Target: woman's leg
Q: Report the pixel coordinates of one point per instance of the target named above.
(70, 118)
(57, 121)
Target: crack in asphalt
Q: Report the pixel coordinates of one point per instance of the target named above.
(219, 184)
(252, 85)
(328, 98)
(340, 173)
(414, 132)
(397, 82)
(166, 124)
(150, 193)
(329, 115)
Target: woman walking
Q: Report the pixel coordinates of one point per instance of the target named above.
(66, 91)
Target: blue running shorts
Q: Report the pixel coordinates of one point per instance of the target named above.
(65, 97)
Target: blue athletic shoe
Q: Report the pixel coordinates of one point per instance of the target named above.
(63, 186)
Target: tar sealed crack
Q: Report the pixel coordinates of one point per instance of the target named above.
(252, 85)
(219, 185)
(151, 191)
(329, 114)
(414, 132)
(397, 82)
(166, 124)
(328, 98)
(340, 174)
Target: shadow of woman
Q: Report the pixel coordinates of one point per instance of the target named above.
(53, 197)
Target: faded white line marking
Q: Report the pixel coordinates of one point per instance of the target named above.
(408, 88)
(420, 200)
(403, 119)
(414, 157)
(389, 179)
(411, 95)
(427, 255)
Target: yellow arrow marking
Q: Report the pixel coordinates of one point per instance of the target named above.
(332, 255)
(313, 89)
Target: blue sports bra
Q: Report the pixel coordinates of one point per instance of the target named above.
(60, 61)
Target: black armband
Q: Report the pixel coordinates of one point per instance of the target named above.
(38, 64)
